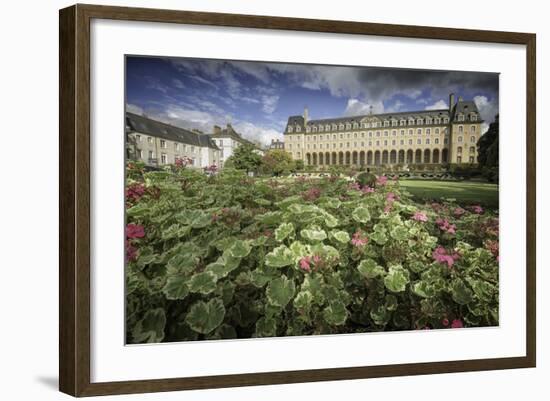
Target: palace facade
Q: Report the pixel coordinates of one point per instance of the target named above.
(405, 138)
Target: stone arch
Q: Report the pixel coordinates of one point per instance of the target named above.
(334, 158)
(354, 158)
(340, 158)
(445, 156)
(410, 156)
(321, 159)
(362, 158)
(327, 158)
(348, 157)
(308, 159)
(401, 157)
(435, 157)
(314, 159)
(393, 157)
(385, 157)
(369, 157)
(418, 156)
(377, 157)
(427, 155)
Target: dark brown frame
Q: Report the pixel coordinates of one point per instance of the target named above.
(74, 199)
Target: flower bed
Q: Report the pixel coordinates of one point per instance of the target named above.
(215, 256)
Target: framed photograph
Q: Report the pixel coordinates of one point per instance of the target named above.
(249, 200)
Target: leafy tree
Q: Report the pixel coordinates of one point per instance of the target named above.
(277, 161)
(245, 158)
(299, 164)
(487, 146)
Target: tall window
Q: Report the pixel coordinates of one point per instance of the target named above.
(139, 153)
(151, 155)
(473, 128)
(138, 138)
(459, 139)
(472, 139)
(176, 146)
(163, 158)
(149, 139)
(436, 141)
(428, 131)
(460, 128)
(410, 132)
(427, 141)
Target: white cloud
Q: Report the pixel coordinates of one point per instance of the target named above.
(395, 107)
(132, 108)
(356, 107)
(269, 103)
(440, 104)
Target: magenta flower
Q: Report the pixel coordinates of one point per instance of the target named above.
(445, 322)
(359, 240)
(355, 185)
(441, 255)
(420, 216)
(391, 197)
(135, 231)
(382, 180)
(459, 212)
(367, 190)
(457, 324)
(477, 209)
(305, 263)
(134, 192)
(131, 252)
(444, 225)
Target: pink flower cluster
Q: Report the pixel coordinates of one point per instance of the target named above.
(445, 226)
(420, 216)
(134, 192)
(477, 209)
(212, 169)
(382, 180)
(441, 255)
(359, 239)
(390, 198)
(183, 161)
(307, 261)
(459, 212)
(311, 194)
(133, 231)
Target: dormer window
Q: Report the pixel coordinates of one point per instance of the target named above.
(461, 117)
(355, 125)
(348, 125)
(402, 122)
(446, 120)
(473, 117)
(386, 123)
(419, 121)
(320, 128)
(308, 129)
(437, 121)
(289, 129)
(411, 121)
(428, 120)
(298, 129)
(394, 123)
(341, 126)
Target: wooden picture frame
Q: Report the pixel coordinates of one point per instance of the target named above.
(74, 199)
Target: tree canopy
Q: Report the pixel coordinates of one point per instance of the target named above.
(245, 158)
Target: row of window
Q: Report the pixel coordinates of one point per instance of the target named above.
(419, 141)
(386, 123)
(164, 144)
(371, 134)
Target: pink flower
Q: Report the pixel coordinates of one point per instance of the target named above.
(131, 252)
(477, 209)
(135, 231)
(445, 322)
(304, 263)
(316, 259)
(444, 225)
(355, 185)
(391, 197)
(134, 191)
(367, 190)
(382, 180)
(311, 194)
(420, 216)
(459, 212)
(441, 255)
(359, 240)
(457, 324)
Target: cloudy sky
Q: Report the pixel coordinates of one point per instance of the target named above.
(257, 98)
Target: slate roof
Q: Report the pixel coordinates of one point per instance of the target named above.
(461, 106)
(162, 130)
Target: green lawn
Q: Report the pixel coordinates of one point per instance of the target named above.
(485, 194)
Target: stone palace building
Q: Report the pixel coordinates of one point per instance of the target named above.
(406, 138)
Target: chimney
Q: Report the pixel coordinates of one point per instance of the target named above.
(306, 115)
(451, 101)
(217, 129)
